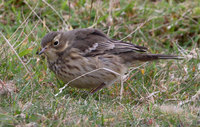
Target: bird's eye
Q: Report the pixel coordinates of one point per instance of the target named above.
(55, 43)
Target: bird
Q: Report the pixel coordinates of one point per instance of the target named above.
(76, 53)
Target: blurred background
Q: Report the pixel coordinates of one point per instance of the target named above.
(161, 93)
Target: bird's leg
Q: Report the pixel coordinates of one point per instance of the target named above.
(97, 88)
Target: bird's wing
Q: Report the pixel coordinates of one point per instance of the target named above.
(92, 42)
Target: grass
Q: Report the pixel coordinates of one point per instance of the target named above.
(161, 93)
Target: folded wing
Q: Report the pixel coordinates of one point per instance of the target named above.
(92, 42)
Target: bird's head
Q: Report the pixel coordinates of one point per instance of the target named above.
(53, 44)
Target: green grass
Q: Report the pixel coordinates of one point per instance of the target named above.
(149, 99)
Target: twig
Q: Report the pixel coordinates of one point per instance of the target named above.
(122, 88)
(109, 70)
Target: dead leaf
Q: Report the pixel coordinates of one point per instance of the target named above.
(7, 87)
(142, 71)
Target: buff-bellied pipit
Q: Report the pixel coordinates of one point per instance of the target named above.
(74, 53)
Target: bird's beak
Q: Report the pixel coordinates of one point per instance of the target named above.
(43, 50)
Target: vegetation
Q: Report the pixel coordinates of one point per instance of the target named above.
(160, 93)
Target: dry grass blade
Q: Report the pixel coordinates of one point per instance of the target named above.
(164, 93)
(22, 23)
(141, 25)
(66, 26)
(28, 35)
(109, 70)
(35, 13)
(194, 98)
(15, 53)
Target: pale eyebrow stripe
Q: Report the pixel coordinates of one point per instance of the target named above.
(65, 46)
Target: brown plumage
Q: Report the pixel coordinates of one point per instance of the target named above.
(73, 53)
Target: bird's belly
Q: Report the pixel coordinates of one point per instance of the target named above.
(90, 72)
(91, 80)
(86, 82)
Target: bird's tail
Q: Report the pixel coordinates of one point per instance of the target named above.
(131, 58)
(148, 57)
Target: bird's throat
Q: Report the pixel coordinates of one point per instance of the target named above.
(52, 57)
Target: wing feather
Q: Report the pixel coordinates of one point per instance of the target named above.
(92, 42)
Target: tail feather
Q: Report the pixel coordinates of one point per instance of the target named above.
(133, 57)
(161, 56)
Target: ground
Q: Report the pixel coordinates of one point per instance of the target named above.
(160, 93)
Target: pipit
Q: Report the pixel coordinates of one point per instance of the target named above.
(72, 54)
